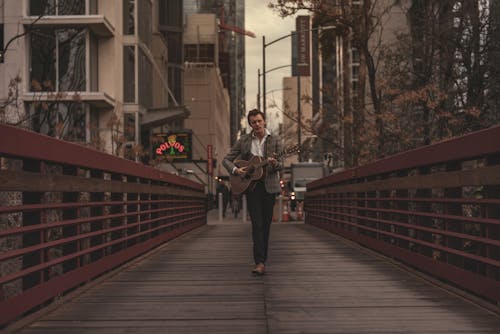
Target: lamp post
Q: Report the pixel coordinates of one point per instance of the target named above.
(259, 74)
(299, 108)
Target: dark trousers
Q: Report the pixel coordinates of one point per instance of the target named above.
(260, 206)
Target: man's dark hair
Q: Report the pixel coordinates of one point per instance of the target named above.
(255, 112)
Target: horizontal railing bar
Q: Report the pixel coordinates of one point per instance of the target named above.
(81, 237)
(71, 256)
(416, 241)
(37, 182)
(52, 149)
(421, 199)
(477, 220)
(471, 146)
(75, 205)
(455, 179)
(416, 227)
(80, 221)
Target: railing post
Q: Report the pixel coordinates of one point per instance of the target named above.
(220, 201)
(280, 208)
(244, 202)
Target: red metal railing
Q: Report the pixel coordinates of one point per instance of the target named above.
(436, 208)
(69, 213)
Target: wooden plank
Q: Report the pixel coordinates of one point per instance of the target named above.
(316, 283)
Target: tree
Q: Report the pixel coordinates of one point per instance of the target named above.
(439, 72)
(438, 77)
(360, 26)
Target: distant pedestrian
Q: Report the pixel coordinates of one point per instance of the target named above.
(235, 205)
(224, 190)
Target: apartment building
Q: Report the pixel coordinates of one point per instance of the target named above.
(88, 71)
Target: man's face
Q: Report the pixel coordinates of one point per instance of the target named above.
(258, 124)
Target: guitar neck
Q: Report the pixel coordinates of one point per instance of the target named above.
(265, 162)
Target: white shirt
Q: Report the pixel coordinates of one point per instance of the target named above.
(258, 145)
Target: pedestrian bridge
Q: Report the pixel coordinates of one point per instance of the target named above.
(94, 244)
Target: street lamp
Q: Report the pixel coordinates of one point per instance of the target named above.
(258, 82)
(299, 108)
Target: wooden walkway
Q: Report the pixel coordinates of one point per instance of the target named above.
(316, 283)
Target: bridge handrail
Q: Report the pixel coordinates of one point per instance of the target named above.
(436, 208)
(69, 213)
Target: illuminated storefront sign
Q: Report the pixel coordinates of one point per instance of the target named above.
(176, 146)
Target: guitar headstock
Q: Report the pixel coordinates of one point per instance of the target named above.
(292, 149)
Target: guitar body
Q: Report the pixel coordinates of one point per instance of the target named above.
(254, 171)
(240, 183)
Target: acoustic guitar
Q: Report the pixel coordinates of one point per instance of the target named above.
(254, 171)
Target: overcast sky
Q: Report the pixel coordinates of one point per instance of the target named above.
(262, 21)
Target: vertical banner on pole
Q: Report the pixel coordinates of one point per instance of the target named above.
(302, 24)
(210, 165)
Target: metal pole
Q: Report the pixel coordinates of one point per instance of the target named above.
(258, 88)
(244, 202)
(299, 114)
(264, 75)
(220, 200)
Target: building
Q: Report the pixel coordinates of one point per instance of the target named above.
(89, 71)
(231, 21)
(206, 97)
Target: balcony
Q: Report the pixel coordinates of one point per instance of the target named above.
(98, 100)
(98, 24)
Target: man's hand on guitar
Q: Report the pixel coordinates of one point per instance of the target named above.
(240, 171)
(273, 162)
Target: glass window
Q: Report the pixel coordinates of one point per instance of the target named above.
(355, 72)
(64, 120)
(42, 7)
(1, 43)
(43, 60)
(355, 87)
(94, 63)
(128, 17)
(71, 55)
(93, 7)
(199, 53)
(129, 126)
(57, 59)
(57, 7)
(171, 13)
(129, 74)
(175, 84)
(70, 7)
(355, 55)
(145, 81)
(145, 19)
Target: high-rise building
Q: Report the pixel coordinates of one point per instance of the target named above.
(231, 16)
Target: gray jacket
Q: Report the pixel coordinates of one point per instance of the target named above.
(241, 150)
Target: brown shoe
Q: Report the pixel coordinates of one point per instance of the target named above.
(259, 269)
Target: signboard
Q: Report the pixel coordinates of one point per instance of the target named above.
(303, 28)
(173, 145)
(210, 166)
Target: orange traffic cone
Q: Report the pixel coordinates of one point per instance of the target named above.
(286, 215)
(300, 213)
